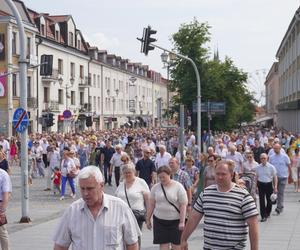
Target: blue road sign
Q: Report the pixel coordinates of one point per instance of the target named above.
(20, 120)
(212, 107)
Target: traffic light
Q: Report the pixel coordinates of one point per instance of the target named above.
(50, 120)
(89, 121)
(46, 65)
(147, 40)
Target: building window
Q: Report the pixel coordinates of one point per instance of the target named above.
(29, 87)
(94, 104)
(81, 96)
(14, 84)
(72, 66)
(94, 80)
(57, 35)
(60, 96)
(14, 43)
(81, 72)
(72, 97)
(70, 38)
(78, 45)
(98, 81)
(46, 94)
(42, 29)
(28, 47)
(60, 66)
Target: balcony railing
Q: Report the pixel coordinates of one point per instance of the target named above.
(52, 78)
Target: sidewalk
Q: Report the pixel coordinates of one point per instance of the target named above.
(278, 233)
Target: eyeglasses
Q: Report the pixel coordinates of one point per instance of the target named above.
(249, 156)
(147, 152)
(263, 158)
(210, 160)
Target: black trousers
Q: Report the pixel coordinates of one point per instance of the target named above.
(45, 160)
(265, 189)
(117, 175)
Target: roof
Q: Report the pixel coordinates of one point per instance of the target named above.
(60, 18)
(291, 25)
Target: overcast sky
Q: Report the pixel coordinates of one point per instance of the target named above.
(248, 31)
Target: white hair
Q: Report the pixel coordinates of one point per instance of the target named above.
(91, 171)
(128, 167)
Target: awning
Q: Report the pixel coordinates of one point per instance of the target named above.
(263, 119)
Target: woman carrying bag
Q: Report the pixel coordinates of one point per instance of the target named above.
(168, 202)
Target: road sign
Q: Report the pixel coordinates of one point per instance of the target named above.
(131, 105)
(214, 107)
(67, 114)
(20, 120)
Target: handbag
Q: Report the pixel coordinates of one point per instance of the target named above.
(140, 215)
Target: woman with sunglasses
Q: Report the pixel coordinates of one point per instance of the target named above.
(209, 172)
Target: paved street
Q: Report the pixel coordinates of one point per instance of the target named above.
(279, 233)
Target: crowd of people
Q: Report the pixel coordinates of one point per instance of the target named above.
(168, 187)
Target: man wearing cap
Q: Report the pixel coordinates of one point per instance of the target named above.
(115, 163)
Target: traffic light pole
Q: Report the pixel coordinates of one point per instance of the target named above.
(23, 103)
(198, 91)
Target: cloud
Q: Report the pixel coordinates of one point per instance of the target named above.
(102, 41)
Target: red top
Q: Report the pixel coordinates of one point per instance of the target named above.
(57, 177)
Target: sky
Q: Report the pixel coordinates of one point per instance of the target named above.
(247, 31)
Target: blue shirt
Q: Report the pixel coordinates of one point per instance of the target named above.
(281, 163)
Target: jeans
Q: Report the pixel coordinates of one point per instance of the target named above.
(64, 180)
(107, 177)
(265, 190)
(40, 168)
(280, 194)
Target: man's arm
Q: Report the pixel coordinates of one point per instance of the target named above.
(253, 232)
(134, 246)
(58, 247)
(193, 221)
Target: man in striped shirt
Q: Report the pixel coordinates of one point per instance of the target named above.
(229, 213)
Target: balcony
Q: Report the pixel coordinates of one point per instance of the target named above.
(32, 102)
(51, 106)
(84, 82)
(53, 78)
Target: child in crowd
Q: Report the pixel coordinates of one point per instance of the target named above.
(56, 178)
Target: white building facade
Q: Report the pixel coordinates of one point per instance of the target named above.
(87, 89)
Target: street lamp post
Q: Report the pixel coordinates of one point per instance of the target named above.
(114, 103)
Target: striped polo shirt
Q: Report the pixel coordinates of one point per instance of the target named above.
(225, 215)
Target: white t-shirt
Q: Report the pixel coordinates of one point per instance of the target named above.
(162, 160)
(175, 193)
(135, 193)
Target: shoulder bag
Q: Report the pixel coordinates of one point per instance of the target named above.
(162, 187)
(140, 215)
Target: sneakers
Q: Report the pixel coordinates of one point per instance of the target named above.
(263, 220)
(62, 198)
(73, 196)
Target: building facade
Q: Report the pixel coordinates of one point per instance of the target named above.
(288, 56)
(272, 94)
(88, 87)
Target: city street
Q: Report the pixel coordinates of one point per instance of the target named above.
(278, 233)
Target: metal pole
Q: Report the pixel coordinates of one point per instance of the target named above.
(198, 91)
(23, 101)
(181, 132)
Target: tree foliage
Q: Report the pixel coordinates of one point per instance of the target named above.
(220, 80)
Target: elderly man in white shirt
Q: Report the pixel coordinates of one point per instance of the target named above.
(5, 145)
(162, 158)
(97, 221)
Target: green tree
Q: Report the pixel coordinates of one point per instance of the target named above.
(220, 81)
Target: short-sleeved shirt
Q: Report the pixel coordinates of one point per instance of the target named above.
(183, 178)
(280, 162)
(5, 183)
(175, 193)
(145, 168)
(135, 193)
(162, 160)
(113, 229)
(265, 173)
(225, 215)
(108, 153)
